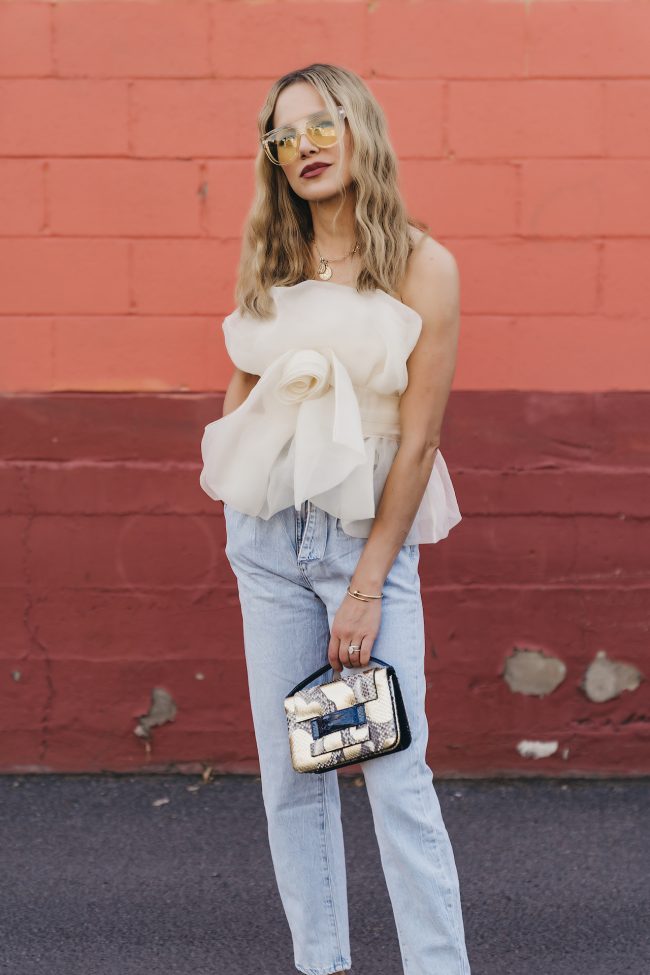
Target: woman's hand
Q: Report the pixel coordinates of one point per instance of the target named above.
(355, 622)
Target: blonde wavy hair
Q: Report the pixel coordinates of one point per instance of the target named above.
(278, 231)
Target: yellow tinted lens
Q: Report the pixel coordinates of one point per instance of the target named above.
(322, 131)
(283, 146)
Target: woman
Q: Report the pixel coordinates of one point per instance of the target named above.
(327, 461)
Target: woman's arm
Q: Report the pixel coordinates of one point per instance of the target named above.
(432, 288)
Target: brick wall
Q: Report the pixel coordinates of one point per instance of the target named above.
(523, 140)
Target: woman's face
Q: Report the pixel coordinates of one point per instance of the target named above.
(293, 105)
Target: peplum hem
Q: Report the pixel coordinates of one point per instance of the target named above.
(437, 514)
(355, 499)
(322, 421)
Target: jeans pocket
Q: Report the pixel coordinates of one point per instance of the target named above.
(228, 517)
(240, 531)
(339, 529)
(341, 533)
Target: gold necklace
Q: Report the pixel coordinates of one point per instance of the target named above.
(324, 269)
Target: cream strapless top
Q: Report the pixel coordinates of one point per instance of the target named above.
(322, 421)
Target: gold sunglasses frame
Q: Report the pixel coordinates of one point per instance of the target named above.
(300, 130)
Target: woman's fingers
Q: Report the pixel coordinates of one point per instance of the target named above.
(347, 658)
(358, 658)
(339, 655)
(333, 653)
(366, 650)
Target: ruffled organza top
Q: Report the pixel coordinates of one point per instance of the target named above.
(322, 421)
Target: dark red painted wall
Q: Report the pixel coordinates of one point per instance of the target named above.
(114, 583)
(127, 171)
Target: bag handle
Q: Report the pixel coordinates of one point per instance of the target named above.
(323, 670)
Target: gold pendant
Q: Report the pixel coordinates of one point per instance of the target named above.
(324, 270)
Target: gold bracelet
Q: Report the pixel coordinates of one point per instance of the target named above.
(363, 596)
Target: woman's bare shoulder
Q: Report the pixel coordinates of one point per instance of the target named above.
(432, 271)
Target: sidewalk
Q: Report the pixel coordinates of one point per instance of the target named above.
(167, 874)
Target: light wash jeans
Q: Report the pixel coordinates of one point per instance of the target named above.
(292, 571)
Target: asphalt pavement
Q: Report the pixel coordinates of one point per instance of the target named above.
(131, 875)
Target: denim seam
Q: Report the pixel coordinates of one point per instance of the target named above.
(425, 817)
(307, 526)
(451, 914)
(301, 530)
(326, 826)
(297, 527)
(340, 963)
(406, 961)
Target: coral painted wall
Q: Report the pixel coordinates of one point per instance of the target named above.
(127, 137)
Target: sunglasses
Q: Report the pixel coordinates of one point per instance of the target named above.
(282, 145)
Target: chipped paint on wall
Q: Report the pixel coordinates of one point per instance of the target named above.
(536, 749)
(533, 672)
(606, 678)
(163, 709)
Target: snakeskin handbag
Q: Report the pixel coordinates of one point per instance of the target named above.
(351, 719)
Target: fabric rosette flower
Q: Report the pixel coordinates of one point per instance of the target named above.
(305, 375)
(304, 401)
